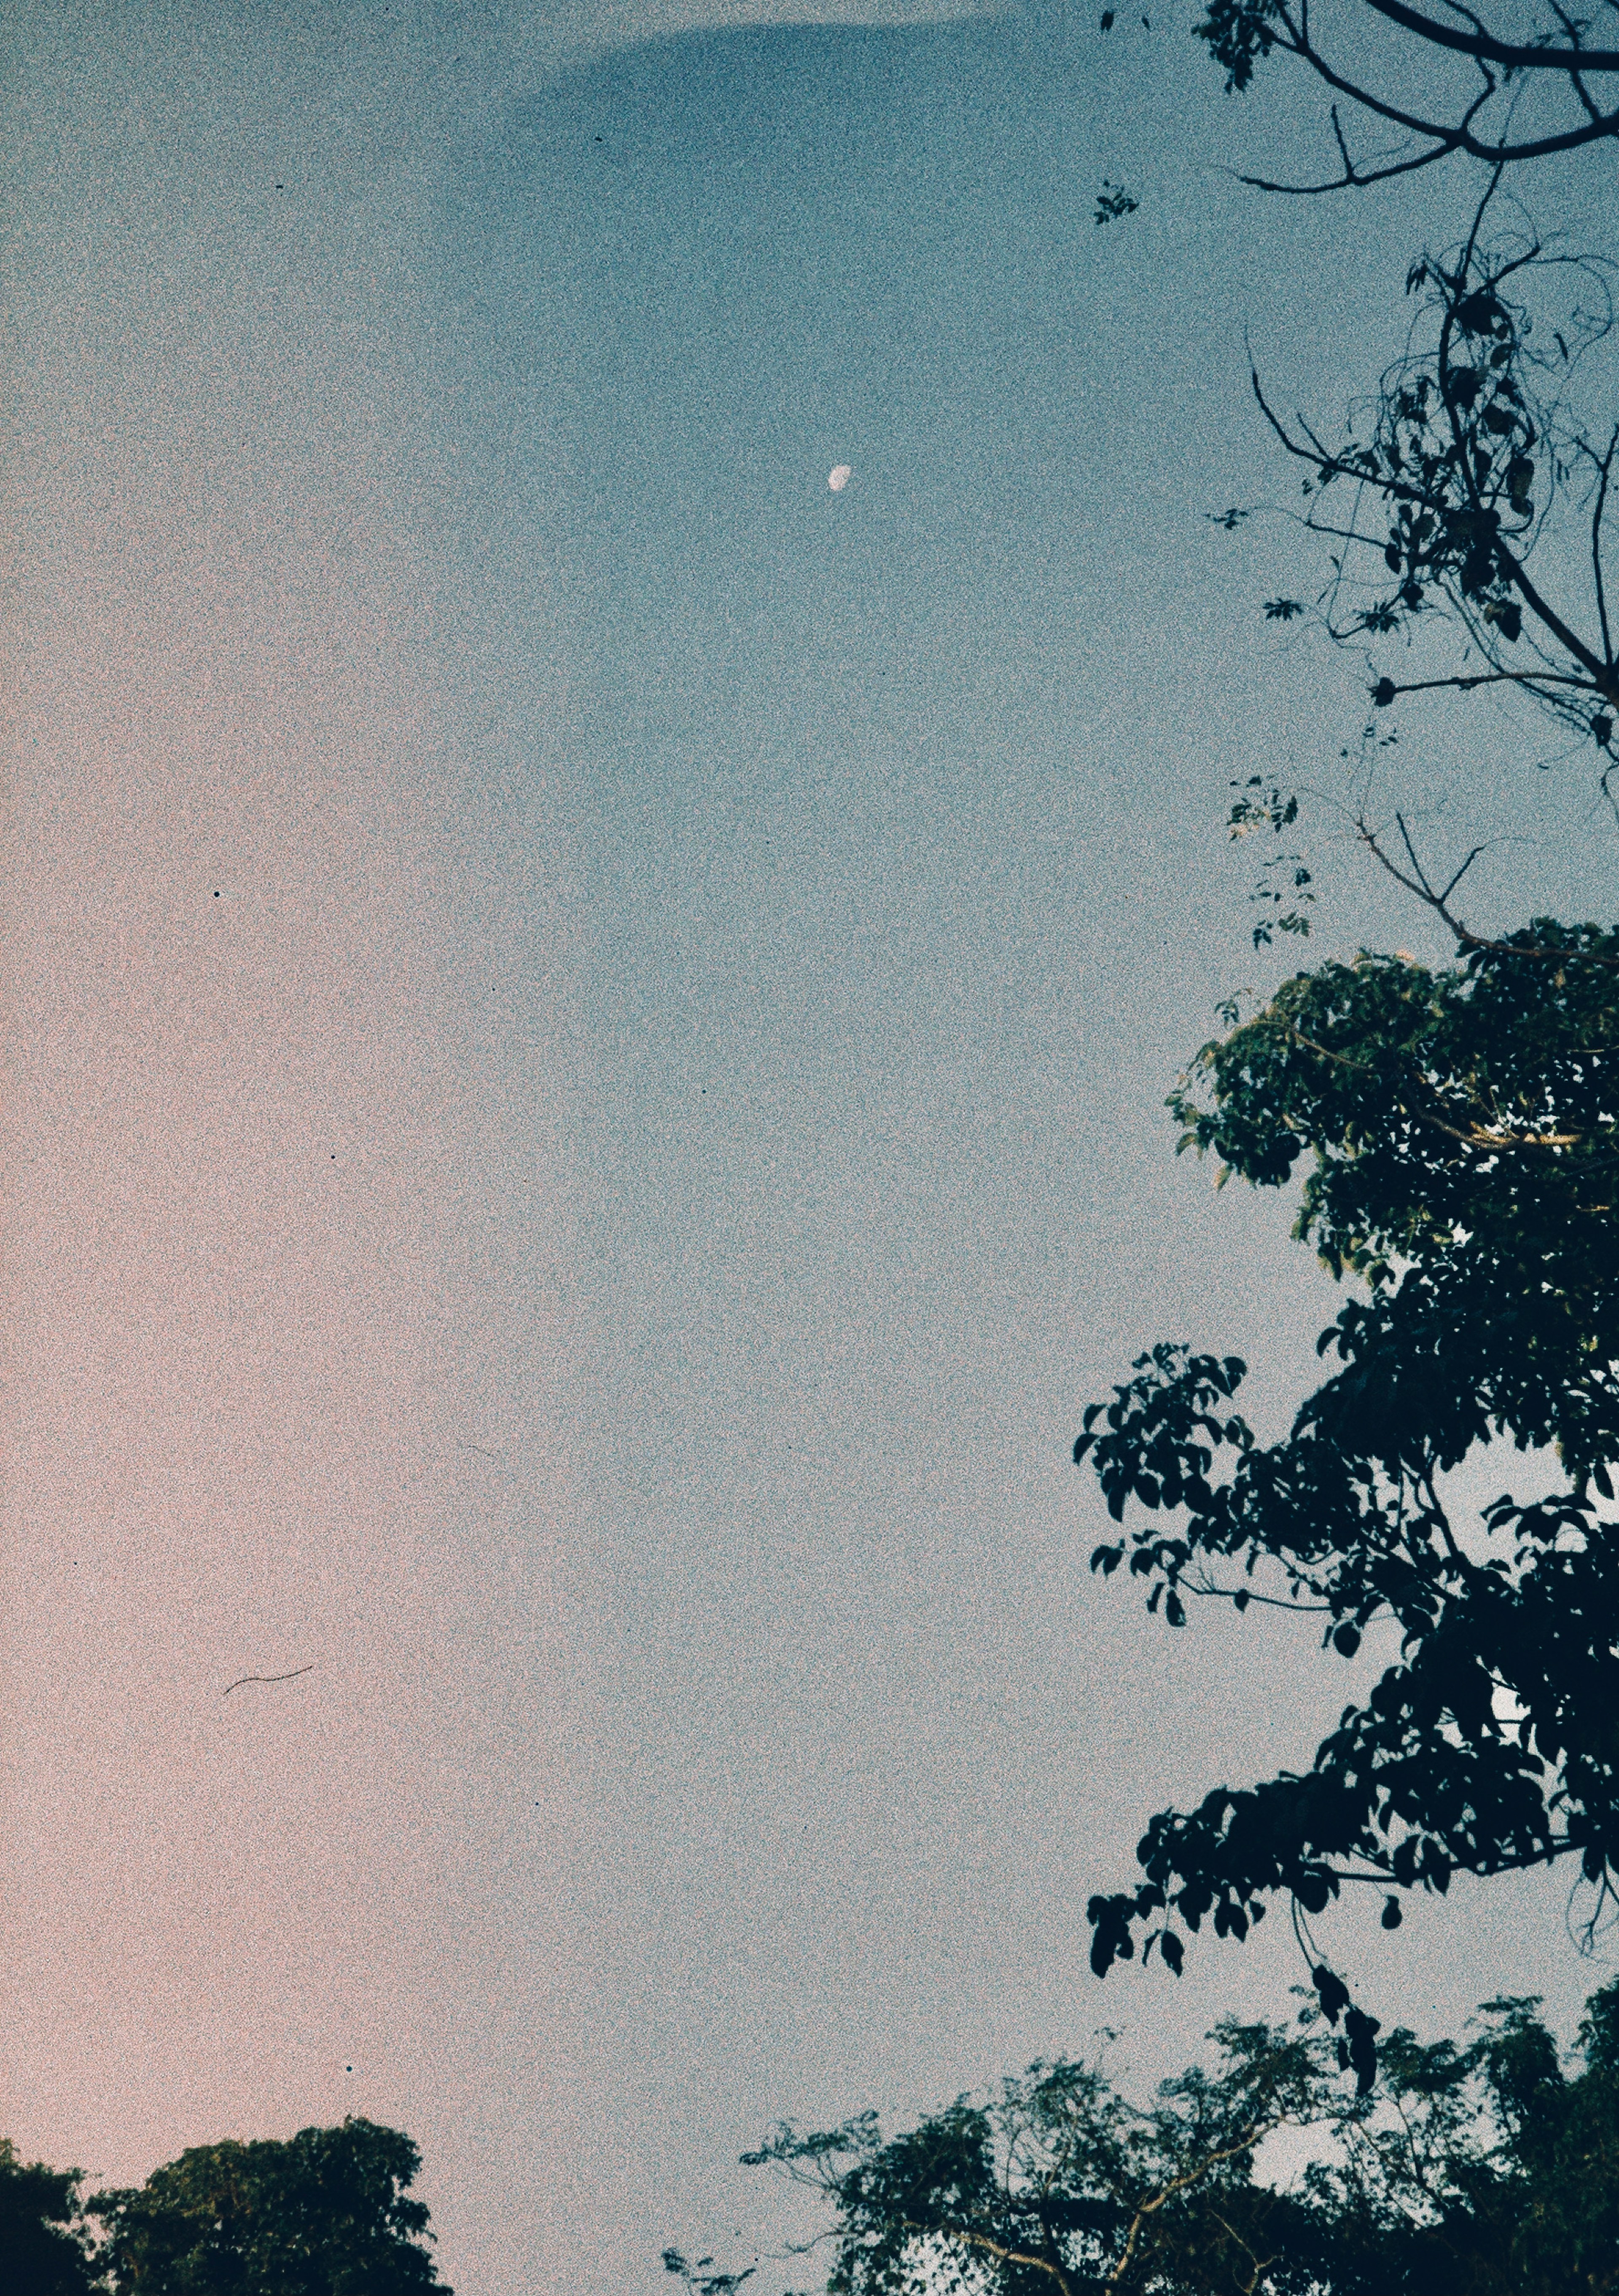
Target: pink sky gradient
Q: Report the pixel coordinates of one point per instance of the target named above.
(288, 1224)
(586, 1026)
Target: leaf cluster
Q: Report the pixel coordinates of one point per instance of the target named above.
(1483, 2167)
(1457, 1132)
(44, 2243)
(324, 2213)
(1431, 498)
(1284, 888)
(1059, 2185)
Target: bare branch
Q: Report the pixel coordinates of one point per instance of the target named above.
(1440, 138)
(1515, 55)
(1465, 937)
(1596, 546)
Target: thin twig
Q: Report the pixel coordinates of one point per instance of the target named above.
(297, 1671)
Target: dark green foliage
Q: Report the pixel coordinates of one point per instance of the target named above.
(1458, 1130)
(1059, 2183)
(43, 2247)
(1284, 882)
(1483, 2171)
(1113, 200)
(1238, 34)
(701, 2277)
(1487, 2169)
(322, 2214)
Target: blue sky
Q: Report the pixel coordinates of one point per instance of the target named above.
(600, 1239)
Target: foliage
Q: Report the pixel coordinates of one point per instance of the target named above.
(1459, 1131)
(1455, 1131)
(43, 2244)
(322, 2214)
(1113, 200)
(1483, 2169)
(701, 2278)
(1433, 493)
(1058, 2183)
(1284, 884)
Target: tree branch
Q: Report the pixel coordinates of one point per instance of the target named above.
(1514, 54)
(1438, 902)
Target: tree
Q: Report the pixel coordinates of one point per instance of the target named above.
(1460, 1132)
(1482, 2169)
(42, 2243)
(322, 2214)
(1460, 1126)
(1059, 2185)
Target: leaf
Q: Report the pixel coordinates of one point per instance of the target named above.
(1331, 1992)
(1113, 200)
(1477, 314)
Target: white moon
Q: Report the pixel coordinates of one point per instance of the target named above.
(839, 479)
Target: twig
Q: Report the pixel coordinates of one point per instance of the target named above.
(1439, 903)
(241, 1678)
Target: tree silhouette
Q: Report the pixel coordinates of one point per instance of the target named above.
(1450, 83)
(323, 2213)
(1483, 2167)
(1458, 1130)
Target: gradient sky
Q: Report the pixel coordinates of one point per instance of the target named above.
(588, 1024)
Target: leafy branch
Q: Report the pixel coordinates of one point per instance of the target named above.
(1438, 477)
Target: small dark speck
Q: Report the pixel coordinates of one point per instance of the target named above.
(281, 188)
(598, 139)
(216, 897)
(347, 2069)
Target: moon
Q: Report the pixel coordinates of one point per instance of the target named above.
(839, 479)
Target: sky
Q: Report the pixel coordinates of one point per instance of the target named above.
(588, 1022)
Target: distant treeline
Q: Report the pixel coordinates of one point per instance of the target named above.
(1488, 2167)
(323, 2213)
